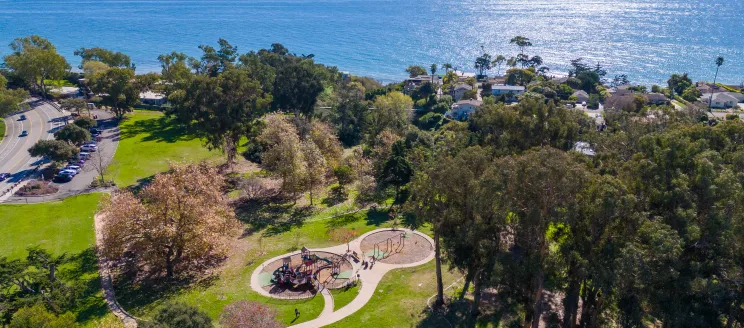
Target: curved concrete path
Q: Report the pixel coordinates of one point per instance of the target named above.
(370, 278)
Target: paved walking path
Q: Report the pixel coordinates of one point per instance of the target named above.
(106, 284)
(369, 278)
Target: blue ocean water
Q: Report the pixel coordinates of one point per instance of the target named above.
(646, 39)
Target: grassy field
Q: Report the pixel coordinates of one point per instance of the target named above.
(65, 226)
(148, 142)
(344, 296)
(2, 129)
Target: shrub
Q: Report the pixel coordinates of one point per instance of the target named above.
(36, 188)
(179, 315)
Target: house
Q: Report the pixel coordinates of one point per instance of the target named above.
(346, 77)
(462, 109)
(152, 98)
(708, 88)
(411, 84)
(719, 100)
(584, 148)
(581, 96)
(459, 91)
(657, 99)
(510, 91)
(738, 96)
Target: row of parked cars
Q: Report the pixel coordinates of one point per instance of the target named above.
(75, 165)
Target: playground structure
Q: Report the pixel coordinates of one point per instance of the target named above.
(309, 271)
(392, 245)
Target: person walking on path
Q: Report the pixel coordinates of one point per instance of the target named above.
(297, 313)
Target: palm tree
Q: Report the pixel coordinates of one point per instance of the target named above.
(719, 62)
(433, 69)
(447, 67)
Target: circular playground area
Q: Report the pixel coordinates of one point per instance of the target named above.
(298, 275)
(396, 247)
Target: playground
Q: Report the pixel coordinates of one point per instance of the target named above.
(300, 275)
(364, 261)
(396, 246)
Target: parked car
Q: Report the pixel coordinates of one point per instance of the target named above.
(69, 171)
(89, 148)
(24, 133)
(22, 118)
(4, 176)
(95, 131)
(75, 168)
(62, 177)
(92, 142)
(83, 155)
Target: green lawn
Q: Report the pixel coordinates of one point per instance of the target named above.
(148, 142)
(2, 129)
(60, 227)
(65, 226)
(344, 296)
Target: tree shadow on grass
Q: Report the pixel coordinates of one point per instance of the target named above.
(457, 314)
(336, 196)
(81, 271)
(275, 214)
(162, 129)
(134, 293)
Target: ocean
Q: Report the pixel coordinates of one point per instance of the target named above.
(646, 39)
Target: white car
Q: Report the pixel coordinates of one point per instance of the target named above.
(83, 155)
(89, 148)
(75, 168)
(68, 172)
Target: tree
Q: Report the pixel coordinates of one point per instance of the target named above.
(433, 69)
(73, 134)
(223, 109)
(37, 316)
(174, 67)
(242, 314)
(85, 123)
(283, 155)
(99, 162)
(447, 67)
(343, 235)
(589, 81)
(119, 93)
(323, 136)
(521, 42)
(213, 61)
(414, 71)
(482, 64)
(678, 84)
(500, 59)
(181, 217)
(297, 87)
(105, 56)
(719, 62)
(391, 111)
(55, 150)
(397, 171)
(316, 166)
(10, 100)
(691, 94)
(344, 175)
(177, 315)
(73, 105)
(35, 60)
(93, 68)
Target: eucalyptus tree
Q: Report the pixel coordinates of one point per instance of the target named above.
(35, 60)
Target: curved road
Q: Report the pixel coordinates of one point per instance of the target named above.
(41, 122)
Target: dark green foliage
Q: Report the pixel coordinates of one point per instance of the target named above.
(73, 133)
(119, 93)
(344, 175)
(108, 57)
(430, 121)
(179, 315)
(55, 150)
(414, 71)
(86, 123)
(296, 87)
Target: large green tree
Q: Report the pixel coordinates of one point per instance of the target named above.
(297, 86)
(108, 57)
(55, 150)
(118, 91)
(11, 100)
(35, 60)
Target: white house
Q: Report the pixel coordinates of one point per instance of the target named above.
(657, 98)
(719, 100)
(511, 91)
(581, 96)
(462, 109)
(459, 91)
(152, 98)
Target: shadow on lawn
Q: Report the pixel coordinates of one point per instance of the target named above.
(134, 293)
(495, 311)
(81, 271)
(275, 214)
(162, 129)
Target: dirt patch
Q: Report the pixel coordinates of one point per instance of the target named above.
(36, 188)
(396, 247)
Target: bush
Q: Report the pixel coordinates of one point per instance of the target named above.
(179, 315)
(38, 316)
(36, 188)
(344, 174)
(86, 123)
(731, 117)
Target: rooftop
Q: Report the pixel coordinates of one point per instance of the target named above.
(508, 87)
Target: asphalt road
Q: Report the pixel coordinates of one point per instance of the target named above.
(41, 123)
